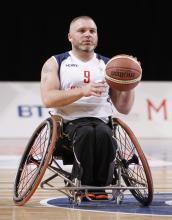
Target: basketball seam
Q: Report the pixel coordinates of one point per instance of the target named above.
(122, 81)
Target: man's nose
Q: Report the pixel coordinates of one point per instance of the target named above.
(87, 33)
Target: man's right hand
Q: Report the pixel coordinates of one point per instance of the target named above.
(94, 89)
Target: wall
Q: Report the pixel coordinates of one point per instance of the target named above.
(21, 110)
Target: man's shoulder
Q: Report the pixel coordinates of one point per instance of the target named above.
(101, 57)
(61, 56)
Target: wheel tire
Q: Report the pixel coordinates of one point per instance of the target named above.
(135, 168)
(34, 161)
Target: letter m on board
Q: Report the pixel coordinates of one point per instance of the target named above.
(162, 107)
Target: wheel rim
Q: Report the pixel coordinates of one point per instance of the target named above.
(32, 161)
(134, 172)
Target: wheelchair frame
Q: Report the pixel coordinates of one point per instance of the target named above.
(132, 171)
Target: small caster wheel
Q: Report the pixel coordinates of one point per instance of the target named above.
(119, 199)
(71, 201)
(78, 200)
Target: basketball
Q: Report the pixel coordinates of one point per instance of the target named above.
(123, 72)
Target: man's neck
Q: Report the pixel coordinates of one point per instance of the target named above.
(83, 55)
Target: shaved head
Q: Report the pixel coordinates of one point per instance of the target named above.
(84, 17)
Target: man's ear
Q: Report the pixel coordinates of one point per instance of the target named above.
(69, 37)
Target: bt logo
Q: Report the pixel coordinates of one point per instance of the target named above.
(26, 111)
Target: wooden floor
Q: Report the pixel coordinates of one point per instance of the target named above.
(158, 152)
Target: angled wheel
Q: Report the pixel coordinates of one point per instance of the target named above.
(35, 160)
(135, 169)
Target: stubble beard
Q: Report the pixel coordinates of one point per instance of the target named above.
(87, 49)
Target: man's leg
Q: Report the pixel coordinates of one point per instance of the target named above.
(105, 150)
(84, 152)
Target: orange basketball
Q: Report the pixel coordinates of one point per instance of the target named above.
(123, 72)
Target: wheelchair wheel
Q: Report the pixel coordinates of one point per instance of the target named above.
(135, 169)
(35, 160)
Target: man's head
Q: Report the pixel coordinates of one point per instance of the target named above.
(83, 34)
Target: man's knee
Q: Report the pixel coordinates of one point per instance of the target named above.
(103, 131)
(85, 131)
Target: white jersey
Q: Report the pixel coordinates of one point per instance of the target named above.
(75, 73)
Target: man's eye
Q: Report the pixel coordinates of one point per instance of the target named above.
(82, 31)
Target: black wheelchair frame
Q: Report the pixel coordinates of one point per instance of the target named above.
(132, 171)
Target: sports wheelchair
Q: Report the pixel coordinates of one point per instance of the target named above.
(131, 172)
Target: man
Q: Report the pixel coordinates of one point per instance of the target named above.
(73, 84)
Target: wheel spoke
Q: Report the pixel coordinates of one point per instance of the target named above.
(35, 161)
(135, 170)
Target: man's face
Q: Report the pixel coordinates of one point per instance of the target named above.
(83, 35)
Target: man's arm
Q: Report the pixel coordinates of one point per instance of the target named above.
(51, 94)
(123, 100)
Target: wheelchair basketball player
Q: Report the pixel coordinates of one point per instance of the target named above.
(73, 84)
